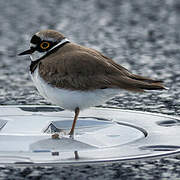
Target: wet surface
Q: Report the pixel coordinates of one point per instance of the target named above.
(141, 35)
(101, 135)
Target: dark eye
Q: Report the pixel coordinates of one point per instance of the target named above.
(44, 45)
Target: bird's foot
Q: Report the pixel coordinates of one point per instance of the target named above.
(58, 135)
(71, 135)
(55, 136)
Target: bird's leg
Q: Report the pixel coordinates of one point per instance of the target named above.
(71, 133)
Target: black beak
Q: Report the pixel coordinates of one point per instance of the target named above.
(29, 51)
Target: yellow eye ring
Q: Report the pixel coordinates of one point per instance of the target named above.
(44, 45)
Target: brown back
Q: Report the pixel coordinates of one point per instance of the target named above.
(76, 67)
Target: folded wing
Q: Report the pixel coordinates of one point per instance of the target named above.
(89, 70)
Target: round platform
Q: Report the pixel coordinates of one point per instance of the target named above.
(101, 135)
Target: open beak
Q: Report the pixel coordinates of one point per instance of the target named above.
(29, 51)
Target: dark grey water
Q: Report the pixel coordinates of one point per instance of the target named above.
(144, 36)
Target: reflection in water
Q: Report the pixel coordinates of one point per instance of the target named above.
(76, 154)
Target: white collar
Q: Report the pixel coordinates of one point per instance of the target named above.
(60, 43)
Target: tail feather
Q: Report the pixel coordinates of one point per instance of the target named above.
(147, 83)
(138, 84)
(152, 86)
(145, 79)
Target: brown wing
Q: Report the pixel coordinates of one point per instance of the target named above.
(127, 72)
(88, 70)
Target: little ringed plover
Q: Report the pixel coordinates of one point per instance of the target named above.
(76, 77)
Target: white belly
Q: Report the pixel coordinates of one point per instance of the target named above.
(68, 99)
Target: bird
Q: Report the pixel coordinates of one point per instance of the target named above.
(76, 77)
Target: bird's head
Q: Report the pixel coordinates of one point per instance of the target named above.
(42, 42)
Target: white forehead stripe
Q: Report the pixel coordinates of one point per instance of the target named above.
(32, 45)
